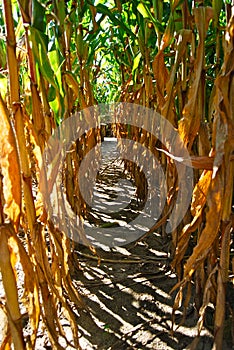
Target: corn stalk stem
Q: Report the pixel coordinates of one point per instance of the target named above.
(18, 112)
(10, 287)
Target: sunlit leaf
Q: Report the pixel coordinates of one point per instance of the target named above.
(136, 63)
(72, 82)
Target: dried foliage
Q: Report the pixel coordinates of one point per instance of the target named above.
(60, 57)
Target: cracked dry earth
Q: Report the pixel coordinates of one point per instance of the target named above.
(127, 288)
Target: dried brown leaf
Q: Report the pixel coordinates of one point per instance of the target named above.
(185, 36)
(209, 233)
(197, 162)
(183, 239)
(200, 193)
(10, 167)
(161, 77)
(177, 304)
(193, 110)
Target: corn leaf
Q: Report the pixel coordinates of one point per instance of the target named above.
(104, 10)
(192, 112)
(200, 193)
(209, 233)
(38, 20)
(145, 12)
(217, 7)
(10, 167)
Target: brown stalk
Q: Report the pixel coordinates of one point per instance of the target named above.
(17, 112)
(10, 287)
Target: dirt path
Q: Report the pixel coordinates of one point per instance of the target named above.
(130, 302)
(128, 290)
(115, 207)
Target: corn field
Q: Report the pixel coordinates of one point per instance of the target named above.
(61, 57)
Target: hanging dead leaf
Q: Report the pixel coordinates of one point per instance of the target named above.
(209, 234)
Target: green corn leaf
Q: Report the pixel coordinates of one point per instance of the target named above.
(217, 7)
(58, 109)
(39, 45)
(38, 19)
(61, 11)
(3, 84)
(135, 66)
(51, 94)
(3, 59)
(158, 9)
(105, 11)
(136, 61)
(145, 12)
(56, 61)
